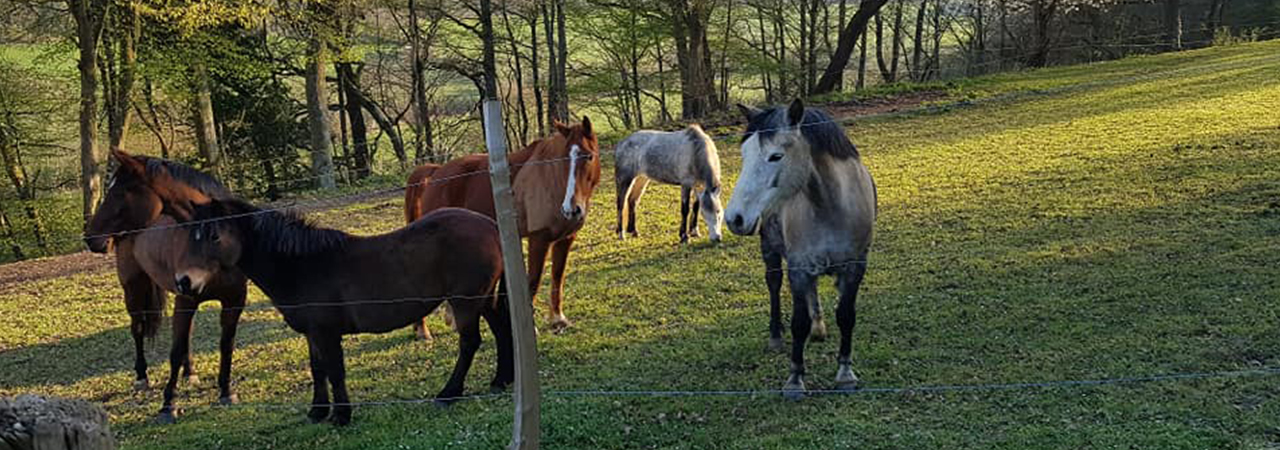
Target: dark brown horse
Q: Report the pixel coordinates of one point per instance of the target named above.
(327, 283)
(552, 180)
(146, 261)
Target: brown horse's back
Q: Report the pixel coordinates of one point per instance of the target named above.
(414, 187)
(461, 183)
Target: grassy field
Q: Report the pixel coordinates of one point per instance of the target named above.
(1126, 226)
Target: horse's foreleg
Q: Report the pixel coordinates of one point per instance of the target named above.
(139, 352)
(773, 278)
(559, 264)
(468, 321)
(184, 310)
(846, 316)
(336, 369)
(537, 260)
(230, 321)
(802, 284)
(319, 382)
(693, 214)
(684, 213)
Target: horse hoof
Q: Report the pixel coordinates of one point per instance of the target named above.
(229, 399)
(317, 414)
(193, 379)
(776, 345)
(845, 379)
(141, 385)
(635, 234)
(560, 324)
(341, 417)
(794, 388)
(425, 337)
(166, 418)
(793, 394)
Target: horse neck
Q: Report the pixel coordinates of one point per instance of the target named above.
(519, 158)
(283, 270)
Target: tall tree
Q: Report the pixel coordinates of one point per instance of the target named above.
(318, 99)
(89, 16)
(205, 126)
(1173, 24)
(689, 28)
(856, 27)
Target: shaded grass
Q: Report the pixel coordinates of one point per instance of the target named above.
(1128, 228)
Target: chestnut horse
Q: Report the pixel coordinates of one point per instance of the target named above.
(552, 180)
(146, 259)
(327, 283)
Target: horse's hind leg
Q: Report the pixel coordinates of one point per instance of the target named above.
(499, 320)
(846, 316)
(468, 321)
(623, 182)
(230, 320)
(184, 310)
(633, 201)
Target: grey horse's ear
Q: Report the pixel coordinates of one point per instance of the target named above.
(749, 112)
(795, 113)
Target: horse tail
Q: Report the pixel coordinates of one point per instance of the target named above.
(153, 306)
(415, 186)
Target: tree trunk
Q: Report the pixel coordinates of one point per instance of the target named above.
(423, 144)
(206, 130)
(862, 62)
(318, 116)
(122, 58)
(537, 75)
(826, 31)
(1173, 24)
(880, 61)
(693, 56)
(15, 244)
(350, 84)
(844, 49)
(521, 106)
(562, 60)
(917, 46)
(935, 63)
(89, 15)
(1042, 17)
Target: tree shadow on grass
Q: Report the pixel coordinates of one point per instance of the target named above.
(72, 360)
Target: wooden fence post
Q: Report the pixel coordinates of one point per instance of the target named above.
(526, 431)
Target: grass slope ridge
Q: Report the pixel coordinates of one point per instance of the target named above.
(1126, 228)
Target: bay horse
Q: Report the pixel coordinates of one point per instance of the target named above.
(800, 169)
(327, 283)
(146, 262)
(686, 158)
(552, 181)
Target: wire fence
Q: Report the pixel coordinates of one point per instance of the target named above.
(871, 390)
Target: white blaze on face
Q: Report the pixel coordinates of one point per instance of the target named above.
(566, 207)
(754, 191)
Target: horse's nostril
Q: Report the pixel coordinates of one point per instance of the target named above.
(183, 284)
(737, 221)
(577, 210)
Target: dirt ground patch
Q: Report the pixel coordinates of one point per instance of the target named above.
(52, 267)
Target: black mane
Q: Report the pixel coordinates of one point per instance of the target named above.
(822, 131)
(203, 182)
(281, 232)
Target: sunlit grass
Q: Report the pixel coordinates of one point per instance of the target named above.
(1131, 227)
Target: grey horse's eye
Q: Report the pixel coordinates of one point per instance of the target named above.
(775, 157)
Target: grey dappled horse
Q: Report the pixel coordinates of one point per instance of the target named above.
(686, 158)
(804, 187)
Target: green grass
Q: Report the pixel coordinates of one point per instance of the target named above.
(1127, 228)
